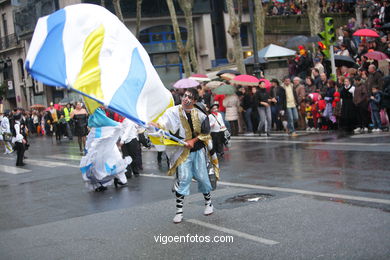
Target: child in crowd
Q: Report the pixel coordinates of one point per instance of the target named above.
(375, 101)
(309, 114)
(217, 129)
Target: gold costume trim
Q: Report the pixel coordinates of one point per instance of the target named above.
(186, 152)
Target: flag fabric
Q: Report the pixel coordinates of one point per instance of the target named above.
(86, 48)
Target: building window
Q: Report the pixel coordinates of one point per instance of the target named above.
(244, 35)
(21, 69)
(160, 43)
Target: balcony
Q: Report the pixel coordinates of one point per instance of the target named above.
(9, 41)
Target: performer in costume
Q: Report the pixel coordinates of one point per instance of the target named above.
(192, 125)
(103, 163)
(131, 146)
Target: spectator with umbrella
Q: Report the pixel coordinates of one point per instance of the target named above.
(232, 103)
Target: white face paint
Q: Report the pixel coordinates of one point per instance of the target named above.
(187, 100)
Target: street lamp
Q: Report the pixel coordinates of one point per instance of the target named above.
(9, 62)
(2, 65)
(256, 64)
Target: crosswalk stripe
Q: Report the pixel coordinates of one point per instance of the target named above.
(12, 169)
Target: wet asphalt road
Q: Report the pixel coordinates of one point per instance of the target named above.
(316, 196)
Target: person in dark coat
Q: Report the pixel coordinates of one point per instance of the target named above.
(279, 94)
(375, 78)
(386, 95)
(348, 109)
(360, 99)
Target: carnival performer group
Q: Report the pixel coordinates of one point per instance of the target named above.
(103, 163)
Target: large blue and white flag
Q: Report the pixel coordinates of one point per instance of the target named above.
(87, 49)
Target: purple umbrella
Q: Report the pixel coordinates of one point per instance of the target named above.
(186, 83)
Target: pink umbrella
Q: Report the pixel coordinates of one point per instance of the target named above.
(199, 77)
(245, 80)
(366, 33)
(186, 83)
(376, 55)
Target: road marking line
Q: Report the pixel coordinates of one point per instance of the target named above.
(304, 192)
(12, 169)
(307, 142)
(50, 164)
(233, 232)
(65, 157)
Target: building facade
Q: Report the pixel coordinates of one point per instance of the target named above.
(212, 42)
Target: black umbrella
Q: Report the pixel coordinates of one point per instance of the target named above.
(295, 41)
(347, 61)
(235, 72)
(313, 39)
(386, 26)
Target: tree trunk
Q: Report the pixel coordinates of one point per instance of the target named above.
(186, 6)
(234, 31)
(179, 43)
(359, 15)
(260, 24)
(102, 3)
(313, 12)
(118, 9)
(138, 18)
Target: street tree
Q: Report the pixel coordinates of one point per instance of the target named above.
(313, 12)
(260, 24)
(118, 9)
(234, 31)
(183, 51)
(138, 18)
(186, 6)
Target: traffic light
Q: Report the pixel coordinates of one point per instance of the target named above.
(327, 37)
(329, 30)
(324, 49)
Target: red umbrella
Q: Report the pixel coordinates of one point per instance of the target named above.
(245, 80)
(199, 77)
(366, 33)
(376, 55)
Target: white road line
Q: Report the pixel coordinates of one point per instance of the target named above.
(234, 232)
(308, 142)
(304, 192)
(12, 169)
(64, 157)
(50, 164)
(44, 163)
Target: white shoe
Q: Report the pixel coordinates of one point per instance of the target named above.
(307, 129)
(365, 130)
(178, 218)
(357, 130)
(208, 210)
(375, 130)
